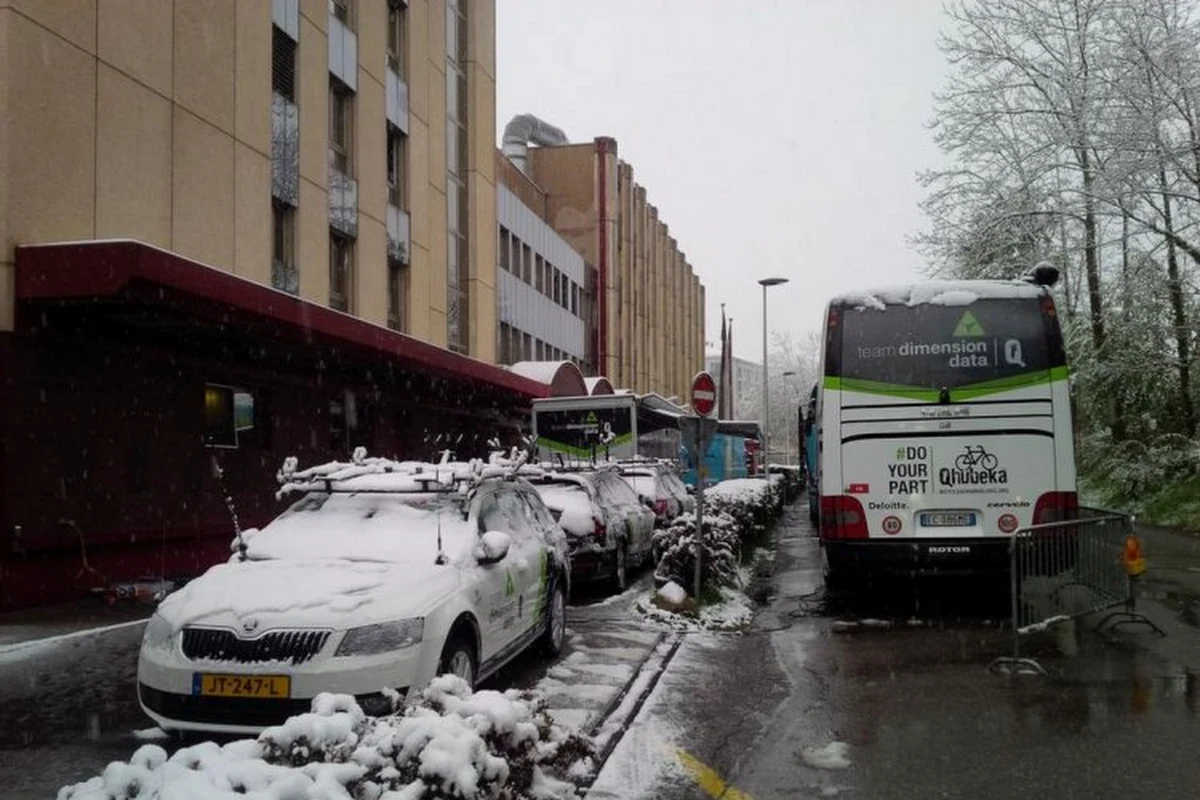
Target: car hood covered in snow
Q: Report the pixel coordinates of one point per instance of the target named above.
(319, 593)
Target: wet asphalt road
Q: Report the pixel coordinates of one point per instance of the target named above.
(920, 712)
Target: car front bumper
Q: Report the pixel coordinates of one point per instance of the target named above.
(167, 680)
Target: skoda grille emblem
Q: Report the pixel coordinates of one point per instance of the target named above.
(249, 625)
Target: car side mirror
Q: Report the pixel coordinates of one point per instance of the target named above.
(493, 547)
(648, 503)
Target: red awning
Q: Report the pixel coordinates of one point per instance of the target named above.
(118, 268)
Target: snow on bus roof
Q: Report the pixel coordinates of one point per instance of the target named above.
(939, 293)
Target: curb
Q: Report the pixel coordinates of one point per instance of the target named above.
(625, 707)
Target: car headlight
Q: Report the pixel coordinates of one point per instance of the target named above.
(382, 638)
(159, 634)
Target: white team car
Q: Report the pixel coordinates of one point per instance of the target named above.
(380, 577)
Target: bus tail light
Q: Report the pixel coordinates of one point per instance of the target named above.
(842, 517)
(1048, 309)
(1055, 507)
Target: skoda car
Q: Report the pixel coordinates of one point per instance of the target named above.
(377, 579)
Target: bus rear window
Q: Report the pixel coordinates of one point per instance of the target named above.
(931, 346)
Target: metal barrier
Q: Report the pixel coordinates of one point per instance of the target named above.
(1066, 569)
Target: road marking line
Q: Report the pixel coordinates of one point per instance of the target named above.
(708, 779)
(49, 640)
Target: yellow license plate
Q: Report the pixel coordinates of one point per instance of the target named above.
(264, 686)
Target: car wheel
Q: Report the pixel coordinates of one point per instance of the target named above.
(458, 658)
(556, 621)
(621, 567)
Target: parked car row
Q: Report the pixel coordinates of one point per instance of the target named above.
(383, 574)
(609, 512)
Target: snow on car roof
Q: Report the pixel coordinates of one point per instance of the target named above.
(368, 526)
(364, 474)
(939, 292)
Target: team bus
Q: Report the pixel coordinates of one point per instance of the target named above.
(943, 425)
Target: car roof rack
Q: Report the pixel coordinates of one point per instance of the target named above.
(408, 476)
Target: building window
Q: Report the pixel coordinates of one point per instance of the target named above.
(284, 275)
(526, 264)
(505, 342)
(540, 275)
(503, 246)
(341, 271)
(229, 416)
(344, 11)
(341, 123)
(397, 163)
(526, 347)
(398, 291)
(575, 298)
(351, 422)
(283, 64)
(397, 24)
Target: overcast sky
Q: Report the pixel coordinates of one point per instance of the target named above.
(776, 137)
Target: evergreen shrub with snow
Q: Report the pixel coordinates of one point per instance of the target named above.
(451, 744)
(720, 543)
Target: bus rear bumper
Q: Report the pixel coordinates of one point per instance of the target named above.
(917, 556)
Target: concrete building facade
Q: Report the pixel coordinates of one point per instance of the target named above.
(340, 150)
(647, 302)
(542, 289)
(233, 231)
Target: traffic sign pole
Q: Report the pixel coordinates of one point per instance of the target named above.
(699, 430)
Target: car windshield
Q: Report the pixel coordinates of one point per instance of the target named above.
(363, 526)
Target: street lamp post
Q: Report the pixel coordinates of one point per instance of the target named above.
(766, 283)
(792, 415)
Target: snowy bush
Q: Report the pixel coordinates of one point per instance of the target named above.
(720, 542)
(1132, 469)
(754, 503)
(450, 743)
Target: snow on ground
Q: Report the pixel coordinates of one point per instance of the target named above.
(151, 735)
(453, 741)
(733, 613)
(582, 687)
(673, 593)
(835, 755)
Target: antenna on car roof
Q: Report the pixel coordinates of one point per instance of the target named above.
(219, 474)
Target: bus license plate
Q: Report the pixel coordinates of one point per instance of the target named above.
(948, 519)
(258, 686)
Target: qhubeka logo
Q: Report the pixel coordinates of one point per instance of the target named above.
(975, 466)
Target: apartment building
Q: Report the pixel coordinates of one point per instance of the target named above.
(233, 231)
(643, 304)
(546, 291)
(747, 385)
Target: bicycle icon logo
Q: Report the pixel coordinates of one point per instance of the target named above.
(976, 457)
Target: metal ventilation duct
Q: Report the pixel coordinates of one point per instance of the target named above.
(523, 130)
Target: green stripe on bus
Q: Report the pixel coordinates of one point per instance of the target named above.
(572, 450)
(968, 392)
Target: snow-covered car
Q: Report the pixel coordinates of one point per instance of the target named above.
(662, 487)
(609, 528)
(379, 578)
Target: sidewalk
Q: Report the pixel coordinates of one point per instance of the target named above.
(19, 628)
